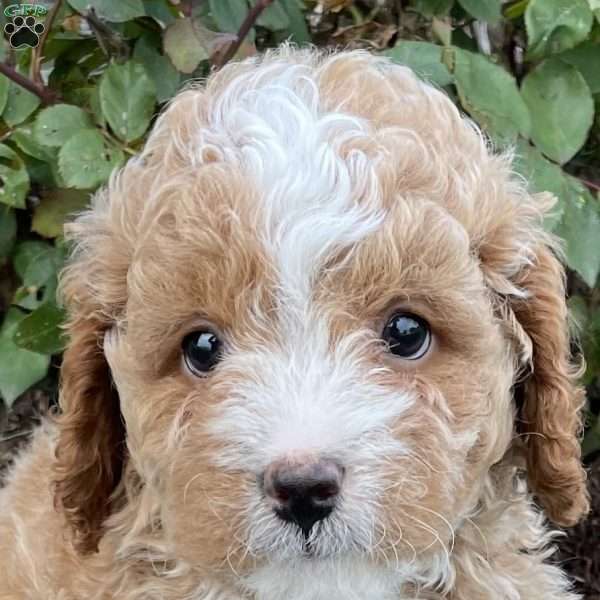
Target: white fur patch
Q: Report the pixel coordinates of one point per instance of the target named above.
(271, 126)
(333, 580)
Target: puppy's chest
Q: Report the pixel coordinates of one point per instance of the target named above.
(318, 590)
(302, 581)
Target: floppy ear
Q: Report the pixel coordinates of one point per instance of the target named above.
(91, 442)
(552, 400)
(90, 448)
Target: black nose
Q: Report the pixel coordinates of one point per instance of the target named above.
(303, 492)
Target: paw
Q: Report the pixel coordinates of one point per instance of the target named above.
(24, 32)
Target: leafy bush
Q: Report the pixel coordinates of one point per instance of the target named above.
(80, 103)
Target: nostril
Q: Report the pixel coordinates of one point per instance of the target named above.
(324, 491)
(303, 492)
(282, 492)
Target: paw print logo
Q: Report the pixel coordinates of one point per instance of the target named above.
(24, 32)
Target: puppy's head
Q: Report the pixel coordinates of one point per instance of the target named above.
(297, 322)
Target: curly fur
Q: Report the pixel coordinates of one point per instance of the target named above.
(294, 202)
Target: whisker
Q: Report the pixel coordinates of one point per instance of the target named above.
(431, 530)
(441, 517)
(187, 485)
(485, 542)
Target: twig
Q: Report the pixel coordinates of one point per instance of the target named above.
(45, 94)
(590, 184)
(222, 58)
(109, 41)
(36, 62)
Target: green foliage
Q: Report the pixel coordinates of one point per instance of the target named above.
(527, 71)
(490, 95)
(552, 90)
(556, 25)
(86, 160)
(57, 124)
(424, 58)
(184, 45)
(485, 10)
(14, 178)
(19, 368)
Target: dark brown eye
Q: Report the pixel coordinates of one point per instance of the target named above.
(407, 336)
(201, 351)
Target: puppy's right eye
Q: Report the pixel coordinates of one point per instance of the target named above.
(408, 336)
(201, 351)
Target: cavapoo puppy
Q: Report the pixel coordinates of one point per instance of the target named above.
(318, 351)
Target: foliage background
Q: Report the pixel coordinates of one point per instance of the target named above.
(81, 103)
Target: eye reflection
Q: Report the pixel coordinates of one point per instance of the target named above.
(201, 351)
(408, 336)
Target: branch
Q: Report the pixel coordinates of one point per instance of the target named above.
(45, 94)
(36, 62)
(223, 57)
(592, 185)
(110, 41)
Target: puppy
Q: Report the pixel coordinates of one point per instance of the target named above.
(318, 351)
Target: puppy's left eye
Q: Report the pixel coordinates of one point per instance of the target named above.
(408, 336)
(201, 351)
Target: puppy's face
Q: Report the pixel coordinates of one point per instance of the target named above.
(293, 404)
(314, 305)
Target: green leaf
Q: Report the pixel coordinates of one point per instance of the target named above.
(484, 10)
(56, 124)
(19, 369)
(424, 58)
(543, 176)
(158, 67)
(54, 209)
(40, 331)
(4, 85)
(586, 327)
(576, 218)
(516, 10)
(556, 25)
(274, 17)
(24, 138)
(85, 161)
(44, 174)
(297, 28)
(595, 6)
(580, 229)
(20, 104)
(14, 180)
(8, 231)
(127, 98)
(433, 8)
(586, 58)
(561, 107)
(228, 14)
(184, 45)
(115, 11)
(36, 263)
(490, 95)
(160, 11)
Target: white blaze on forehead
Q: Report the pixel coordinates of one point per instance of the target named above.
(316, 194)
(314, 170)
